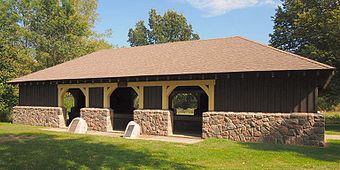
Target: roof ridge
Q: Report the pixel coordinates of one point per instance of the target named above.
(175, 42)
(289, 53)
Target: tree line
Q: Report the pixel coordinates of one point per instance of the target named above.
(36, 34)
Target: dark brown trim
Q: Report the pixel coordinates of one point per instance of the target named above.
(203, 76)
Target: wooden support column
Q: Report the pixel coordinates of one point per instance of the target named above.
(210, 91)
(107, 93)
(140, 92)
(166, 91)
(85, 88)
(165, 102)
(61, 93)
(169, 86)
(211, 96)
(86, 91)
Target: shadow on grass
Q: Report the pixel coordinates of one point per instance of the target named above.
(52, 152)
(329, 153)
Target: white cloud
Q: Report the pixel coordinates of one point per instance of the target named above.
(220, 7)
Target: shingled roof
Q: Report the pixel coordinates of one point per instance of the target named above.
(223, 55)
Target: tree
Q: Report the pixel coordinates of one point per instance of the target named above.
(170, 27)
(14, 57)
(35, 34)
(60, 31)
(311, 28)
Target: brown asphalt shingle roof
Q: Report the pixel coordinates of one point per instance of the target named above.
(223, 55)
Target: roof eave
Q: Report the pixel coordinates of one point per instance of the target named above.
(18, 81)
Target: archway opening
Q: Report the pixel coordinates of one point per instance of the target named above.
(188, 103)
(123, 101)
(74, 100)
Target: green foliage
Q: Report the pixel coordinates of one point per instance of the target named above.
(68, 101)
(14, 57)
(35, 34)
(59, 31)
(332, 117)
(311, 28)
(170, 27)
(184, 101)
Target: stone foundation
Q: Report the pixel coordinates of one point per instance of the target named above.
(154, 122)
(39, 116)
(295, 128)
(97, 119)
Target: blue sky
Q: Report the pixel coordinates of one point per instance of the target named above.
(210, 18)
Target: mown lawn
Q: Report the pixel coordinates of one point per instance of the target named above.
(26, 147)
(332, 123)
(333, 129)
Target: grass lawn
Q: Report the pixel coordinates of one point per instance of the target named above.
(333, 129)
(26, 147)
(332, 117)
(332, 123)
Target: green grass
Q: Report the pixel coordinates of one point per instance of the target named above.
(332, 120)
(189, 111)
(33, 148)
(333, 129)
(332, 117)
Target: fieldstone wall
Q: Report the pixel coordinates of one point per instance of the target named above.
(97, 119)
(282, 128)
(154, 122)
(39, 116)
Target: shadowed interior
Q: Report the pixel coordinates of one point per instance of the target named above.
(123, 102)
(188, 103)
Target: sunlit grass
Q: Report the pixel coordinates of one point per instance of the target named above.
(33, 148)
(332, 120)
(189, 111)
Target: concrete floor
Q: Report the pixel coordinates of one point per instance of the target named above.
(173, 138)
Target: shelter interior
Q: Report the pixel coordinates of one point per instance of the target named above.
(78, 103)
(123, 101)
(188, 104)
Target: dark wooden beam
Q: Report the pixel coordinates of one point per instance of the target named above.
(328, 79)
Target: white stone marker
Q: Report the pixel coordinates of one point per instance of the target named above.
(132, 130)
(78, 125)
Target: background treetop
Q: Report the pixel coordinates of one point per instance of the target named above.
(170, 27)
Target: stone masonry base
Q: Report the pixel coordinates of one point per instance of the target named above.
(282, 128)
(97, 119)
(39, 116)
(295, 128)
(154, 122)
